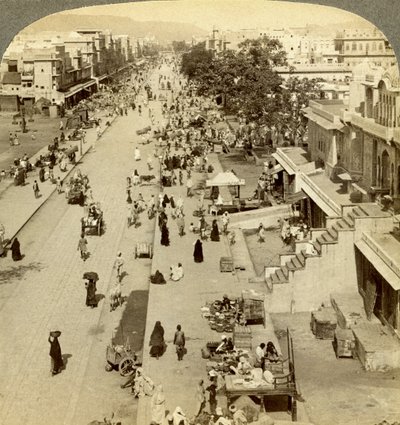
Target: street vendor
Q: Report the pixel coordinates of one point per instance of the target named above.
(225, 303)
(225, 346)
(93, 213)
(243, 367)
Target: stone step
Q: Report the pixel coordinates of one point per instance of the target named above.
(285, 272)
(327, 238)
(333, 232)
(281, 276)
(349, 221)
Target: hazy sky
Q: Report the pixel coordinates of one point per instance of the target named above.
(232, 14)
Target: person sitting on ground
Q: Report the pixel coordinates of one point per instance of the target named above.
(271, 353)
(260, 355)
(225, 345)
(225, 303)
(176, 273)
(243, 367)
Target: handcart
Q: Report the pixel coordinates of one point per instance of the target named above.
(143, 250)
(122, 358)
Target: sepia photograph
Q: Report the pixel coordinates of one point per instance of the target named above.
(199, 216)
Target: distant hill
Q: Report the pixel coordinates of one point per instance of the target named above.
(163, 31)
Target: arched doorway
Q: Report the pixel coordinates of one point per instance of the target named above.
(385, 174)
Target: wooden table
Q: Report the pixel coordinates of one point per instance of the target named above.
(283, 386)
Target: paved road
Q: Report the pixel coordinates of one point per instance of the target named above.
(45, 290)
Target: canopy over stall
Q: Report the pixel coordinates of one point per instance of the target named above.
(226, 178)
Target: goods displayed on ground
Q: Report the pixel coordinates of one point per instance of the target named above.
(324, 323)
(226, 264)
(93, 222)
(220, 319)
(242, 337)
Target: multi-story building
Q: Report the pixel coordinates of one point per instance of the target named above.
(62, 68)
(353, 155)
(355, 45)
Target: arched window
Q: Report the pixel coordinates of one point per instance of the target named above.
(385, 175)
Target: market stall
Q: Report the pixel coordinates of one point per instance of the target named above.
(218, 188)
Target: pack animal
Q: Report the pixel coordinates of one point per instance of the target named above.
(115, 296)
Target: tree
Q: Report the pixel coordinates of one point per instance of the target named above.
(179, 46)
(249, 84)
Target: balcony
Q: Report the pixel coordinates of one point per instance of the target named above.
(369, 125)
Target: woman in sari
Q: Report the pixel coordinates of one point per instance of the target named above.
(91, 289)
(158, 406)
(157, 341)
(164, 235)
(215, 231)
(198, 252)
(55, 353)
(16, 250)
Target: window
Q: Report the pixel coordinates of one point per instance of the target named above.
(374, 46)
(29, 85)
(380, 46)
(36, 86)
(42, 87)
(354, 46)
(347, 47)
(42, 70)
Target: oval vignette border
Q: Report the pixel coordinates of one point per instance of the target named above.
(17, 14)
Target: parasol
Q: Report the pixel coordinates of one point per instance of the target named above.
(55, 334)
(91, 276)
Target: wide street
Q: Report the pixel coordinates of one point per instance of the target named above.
(45, 290)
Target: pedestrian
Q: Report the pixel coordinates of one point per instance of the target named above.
(261, 233)
(2, 237)
(189, 185)
(198, 252)
(225, 221)
(82, 247)
(149, 162)
(180, 221)
(135, 178)
(119, 262)
(137, 154)
(55, 353)
(61, 126)
(164, 235)
(180, 176)
(158, 406)
(200, 398)
(214, 231)
(91, 299)
(212, 389)
(157, 343)
(179, 342)
(16, 250)
(36, 190)
(59, 185)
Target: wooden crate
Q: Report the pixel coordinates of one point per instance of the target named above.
(324, 323)
(226, 264)
(344, 343)
(242, 337)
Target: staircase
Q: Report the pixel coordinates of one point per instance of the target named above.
(307, 280)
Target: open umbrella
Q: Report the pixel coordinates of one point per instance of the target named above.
(55, 334)
(91, 276)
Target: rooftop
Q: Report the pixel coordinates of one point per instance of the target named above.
(297, 155)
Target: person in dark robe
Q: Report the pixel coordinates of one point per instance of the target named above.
(162, 219)
(41, 174)
(55, 354)
(16, 250)
(91, 289)
(172, 202)
(214, 231)
(157, 341)
(198, 252)
(164, 235)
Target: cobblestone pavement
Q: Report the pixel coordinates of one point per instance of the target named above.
(45, 290)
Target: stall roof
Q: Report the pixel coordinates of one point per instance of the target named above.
(225, 179)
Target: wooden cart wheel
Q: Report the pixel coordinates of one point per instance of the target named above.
(99, 228)
(126, 366)
(150, 251)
